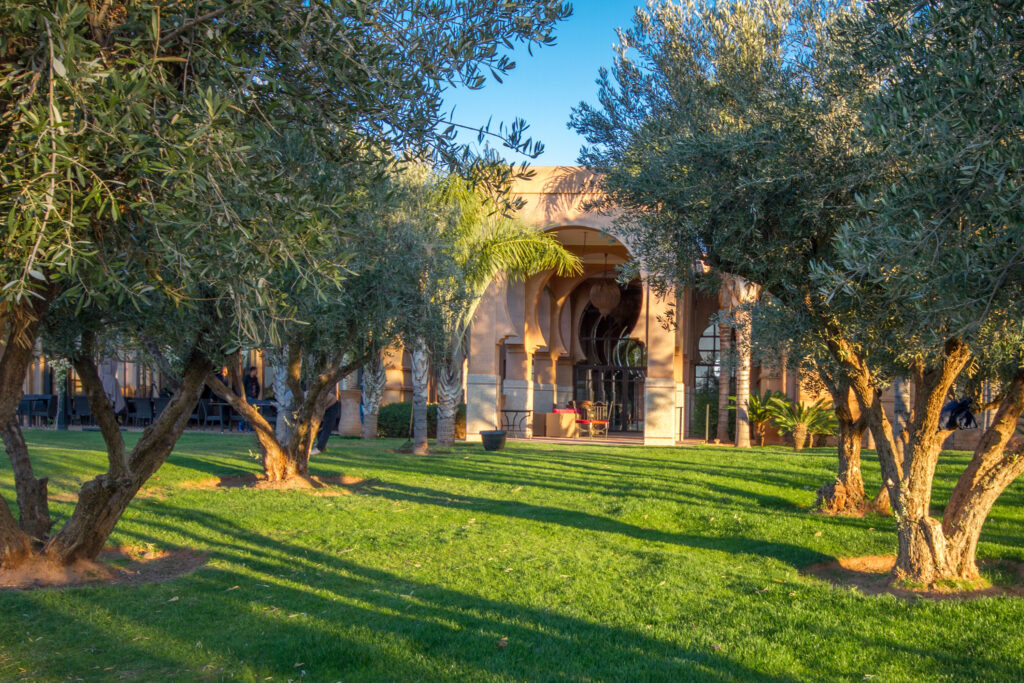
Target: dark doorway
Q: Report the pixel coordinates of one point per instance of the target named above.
(615, 368)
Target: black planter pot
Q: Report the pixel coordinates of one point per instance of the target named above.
(494, 440)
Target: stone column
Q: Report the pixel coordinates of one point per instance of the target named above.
(518, 387)
(724, 375)
(544, 387)
(351, 397)
(483, 382)
(660, 387)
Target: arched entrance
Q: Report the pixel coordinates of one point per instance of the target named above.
(536, 345)
(613, 369)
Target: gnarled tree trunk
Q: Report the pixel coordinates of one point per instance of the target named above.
(102, 501)
(374, 383)
(20, 325)
(845, 495)
(449, 390)
(286, 459)
(32, 492)
(420, 384)
(998, 460)
(15, 544)
(930, 551)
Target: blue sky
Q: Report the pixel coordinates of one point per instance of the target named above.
(544, 88)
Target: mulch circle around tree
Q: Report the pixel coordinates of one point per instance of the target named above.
(341, 484)
(872, 575)
(115, 566)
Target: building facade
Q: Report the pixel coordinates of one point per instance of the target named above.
(654, 360)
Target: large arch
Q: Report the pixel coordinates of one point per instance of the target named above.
(520, 358)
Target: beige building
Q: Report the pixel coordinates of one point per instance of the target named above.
(534, 346)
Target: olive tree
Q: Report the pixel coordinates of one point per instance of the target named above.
(721, 140)
(137, 133)
(872, 162)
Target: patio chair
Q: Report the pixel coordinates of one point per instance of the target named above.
(269, 412)
(143, 411)
(218, 414)
(199, 414)
(24, 410)
(593, 419)
(159, 404)
(80, 409)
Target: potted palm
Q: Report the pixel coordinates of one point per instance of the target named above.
(801, 420)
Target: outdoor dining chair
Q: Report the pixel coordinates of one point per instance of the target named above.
(80, 410)
(593, 419)
(143, 412)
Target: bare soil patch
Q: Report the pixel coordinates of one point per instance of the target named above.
(127, 565)
(338, 485)
(872, 575)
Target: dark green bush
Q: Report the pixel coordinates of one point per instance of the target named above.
(393, 420)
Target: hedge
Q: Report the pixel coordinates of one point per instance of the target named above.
(393, 420)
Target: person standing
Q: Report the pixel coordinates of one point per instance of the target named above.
(112, 389)
(331, 418)
(251, 387)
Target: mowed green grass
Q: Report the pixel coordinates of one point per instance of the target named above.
(596, 563)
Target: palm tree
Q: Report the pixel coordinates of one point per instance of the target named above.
(481, 243)
(801, 420)
(761, 408)
(374, 383)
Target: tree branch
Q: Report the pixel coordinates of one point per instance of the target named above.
(102, 411)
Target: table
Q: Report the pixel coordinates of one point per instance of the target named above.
(516, 422)
(562, 425)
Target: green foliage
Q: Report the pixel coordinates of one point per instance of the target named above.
(393, 420)
(818, 417)
(704, 415)
(762, 409)
(476, 243)
(148, 153)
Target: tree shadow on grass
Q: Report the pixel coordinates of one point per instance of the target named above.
(795, 555)
(585, 474)
(341, 619)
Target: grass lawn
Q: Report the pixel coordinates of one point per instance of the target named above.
(594, 562)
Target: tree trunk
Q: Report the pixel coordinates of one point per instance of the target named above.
(20, 325)
(374, 383)
(32, 494)
(15, 359)
(15, 544)
(761, 431)
(799, 437)
(845, 495)
(901, 406)
(284, 398)
(420, 379)
(102, 501)
(449, 390)
(924, 556)
(283, 460)
(275, 462)
(724, 372)
(998, 460)
(743, 378)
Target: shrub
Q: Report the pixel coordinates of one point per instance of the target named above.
(761, 410)
(394, 419)
(801, 420)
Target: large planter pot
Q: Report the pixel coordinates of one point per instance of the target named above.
(799, 436)
(494, 440)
